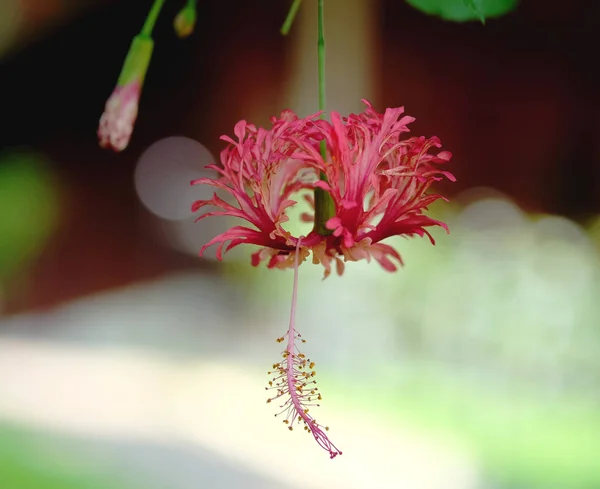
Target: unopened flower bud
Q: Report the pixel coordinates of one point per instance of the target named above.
(120, 113)
(185, 20)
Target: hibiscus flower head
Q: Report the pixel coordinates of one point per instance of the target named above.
(377, 178)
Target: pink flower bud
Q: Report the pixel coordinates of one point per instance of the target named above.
(121, 110)
(118, 119)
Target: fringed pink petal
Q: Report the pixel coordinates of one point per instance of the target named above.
(378, 179)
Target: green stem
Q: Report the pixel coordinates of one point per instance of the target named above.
(324, 205)
(287, 25)
(152, 18)
(321, 57)
(192, 3)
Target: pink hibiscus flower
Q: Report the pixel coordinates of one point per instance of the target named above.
(377, 179)
(378, 182)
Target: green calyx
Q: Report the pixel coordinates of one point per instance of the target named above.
(137, 60)
(140, 52)
(324, 209)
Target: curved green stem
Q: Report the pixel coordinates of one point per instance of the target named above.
(287, 25)
(152, 18)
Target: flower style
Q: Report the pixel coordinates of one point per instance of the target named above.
(294, 379)
(121, 110)
(377, 179)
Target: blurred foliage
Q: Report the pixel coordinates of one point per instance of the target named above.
(521, 440)
(464, 10)
(29, 461)
(10, 22)
(29, 210)
(595, 232)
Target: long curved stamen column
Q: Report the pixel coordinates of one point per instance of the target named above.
(294, 379)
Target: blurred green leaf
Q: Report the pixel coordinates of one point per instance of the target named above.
(475, 8)
(521, 439)
(464, 10)
(28, 209)
(32, 461)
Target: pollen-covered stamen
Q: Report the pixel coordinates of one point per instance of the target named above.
(293, 380)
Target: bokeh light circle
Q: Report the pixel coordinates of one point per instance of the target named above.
(163, 175)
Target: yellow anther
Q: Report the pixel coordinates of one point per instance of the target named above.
(290, 428)
(311, 365)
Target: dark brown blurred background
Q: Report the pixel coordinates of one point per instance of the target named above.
(516, 101)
